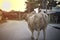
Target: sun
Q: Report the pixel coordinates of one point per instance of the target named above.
(8, 5)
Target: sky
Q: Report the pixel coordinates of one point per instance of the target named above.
(17, 5)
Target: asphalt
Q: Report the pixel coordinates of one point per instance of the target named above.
(18, 30)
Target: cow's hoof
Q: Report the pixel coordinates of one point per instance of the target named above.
(36, 39)
(32, 38)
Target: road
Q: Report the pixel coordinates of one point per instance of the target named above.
(18, 30)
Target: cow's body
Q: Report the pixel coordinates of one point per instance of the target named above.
(37, 22)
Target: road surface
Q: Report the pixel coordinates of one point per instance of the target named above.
(18, 30)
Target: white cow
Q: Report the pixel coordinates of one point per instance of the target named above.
(37, 21)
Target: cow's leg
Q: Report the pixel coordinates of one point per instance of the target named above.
(32, 37)
(44, 33)
(38, 34)
(32, 30)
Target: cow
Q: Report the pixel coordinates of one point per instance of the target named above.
(36, 21)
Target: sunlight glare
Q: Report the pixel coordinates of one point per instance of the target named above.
(17, 5)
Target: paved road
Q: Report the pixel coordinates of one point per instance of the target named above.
(18, 30)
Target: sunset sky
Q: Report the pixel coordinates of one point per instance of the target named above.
(8, 5)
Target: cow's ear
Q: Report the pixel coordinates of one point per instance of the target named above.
(44, 11)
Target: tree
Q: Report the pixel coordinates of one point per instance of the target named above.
(31, 4)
